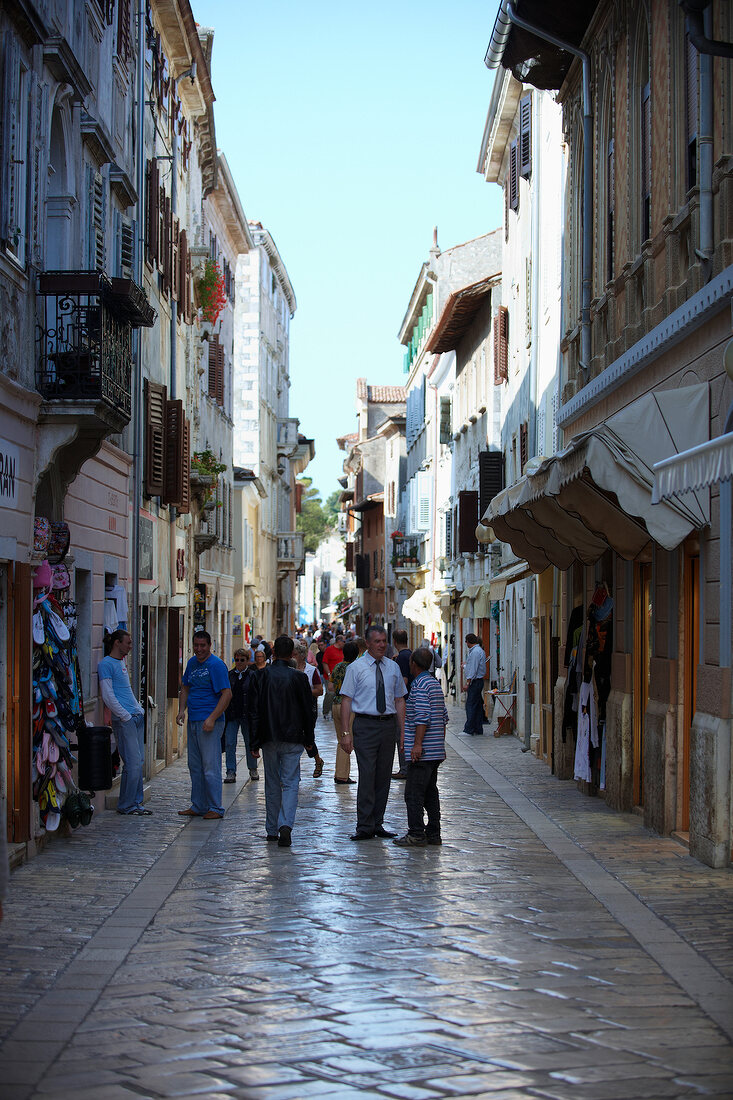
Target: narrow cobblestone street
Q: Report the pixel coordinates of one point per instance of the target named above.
(550, 948)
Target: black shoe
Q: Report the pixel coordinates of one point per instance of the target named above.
(361, 836)
(434, 839)
(231, 777)
(284, 840)
(409, 840)
(270, 837)
(344, 781)
(385, 834)
(399, 775)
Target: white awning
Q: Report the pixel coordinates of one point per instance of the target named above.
(497, 588)
(465, 608)
(597, 492)
(695, 469)
(421, 608)
(482, 603)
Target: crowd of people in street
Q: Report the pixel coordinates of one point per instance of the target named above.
(381, 697)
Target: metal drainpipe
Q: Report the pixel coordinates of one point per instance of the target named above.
(137, 408)
(705, 151)
(172, 513)
(587, 265)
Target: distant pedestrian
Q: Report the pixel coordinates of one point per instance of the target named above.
(402, 657)
(374, 691)
(424, 747)
(283, 721)
(206, 693)
(241, 679)
(300, 653)
(474, 671)
(343, 760)
(260, 659)
(128, 722)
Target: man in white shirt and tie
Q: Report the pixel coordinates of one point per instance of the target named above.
(373, 692)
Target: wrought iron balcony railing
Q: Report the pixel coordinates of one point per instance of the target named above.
(85, 337)
(405, 553)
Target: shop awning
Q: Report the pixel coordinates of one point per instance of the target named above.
(465, 608)
(421, 608)
(596, 494)
(482, 603)
(695, 469)
(497, 588)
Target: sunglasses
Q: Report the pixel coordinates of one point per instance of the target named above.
(240, 660)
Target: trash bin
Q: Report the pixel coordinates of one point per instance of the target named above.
(95, 758)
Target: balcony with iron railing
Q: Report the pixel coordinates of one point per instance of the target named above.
(406, 554)
(85, 344)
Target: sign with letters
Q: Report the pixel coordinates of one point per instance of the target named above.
(9, 471)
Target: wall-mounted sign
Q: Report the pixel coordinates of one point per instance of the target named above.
(146, 549)
(9, 469)
(237, 626)
(199, 607)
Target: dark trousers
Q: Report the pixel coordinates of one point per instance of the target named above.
(374, 741)
(475, 707)
(421, 796)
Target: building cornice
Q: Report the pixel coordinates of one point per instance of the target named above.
(262, 237)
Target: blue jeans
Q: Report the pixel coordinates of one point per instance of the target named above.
(204, 764)
(281, 761)
(475, 707)
(230, 741)
(130, 738)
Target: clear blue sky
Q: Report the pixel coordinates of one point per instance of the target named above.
(352, 130)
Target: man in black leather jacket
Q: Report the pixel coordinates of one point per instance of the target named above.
(282, 724)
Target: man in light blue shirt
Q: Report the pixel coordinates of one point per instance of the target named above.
(474, 671)
(206, 693)
(374, 692)
(128, 723)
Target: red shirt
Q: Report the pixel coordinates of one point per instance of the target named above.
(333, 656)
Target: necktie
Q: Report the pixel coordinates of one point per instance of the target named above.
(381, 701)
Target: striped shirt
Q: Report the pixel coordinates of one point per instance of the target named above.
(425, 705)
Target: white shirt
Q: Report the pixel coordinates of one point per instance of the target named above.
(360, 685)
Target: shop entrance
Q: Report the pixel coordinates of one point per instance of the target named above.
(692, 660)
(545, 662)
(18, 700)
(642, 662)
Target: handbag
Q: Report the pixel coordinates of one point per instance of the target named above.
(59, 539)
(41, 535)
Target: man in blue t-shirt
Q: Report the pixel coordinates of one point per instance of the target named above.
(206, 693)
(128, 723)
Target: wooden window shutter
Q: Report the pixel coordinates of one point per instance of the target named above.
(523, 445)
(175, 431)
(160, 258)
(152, 194)
(155, 404)
(514, 175)
(166, 243)
(185, 506)
(646, 162)
(175, 259)
(501, 345)
(349, 565)
(610, 209)
(213, 365)
(449, 534)
(490, 477)
(298, 498)
(467, 521)
(97, 222)
(124, 38)
(692, 92)
(182, 276)
(220, 373)
(525, 136)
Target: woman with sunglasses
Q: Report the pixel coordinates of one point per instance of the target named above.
(237, 715)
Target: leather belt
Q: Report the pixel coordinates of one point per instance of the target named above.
(375, 717)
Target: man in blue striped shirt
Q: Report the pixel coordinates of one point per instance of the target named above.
(424, 746)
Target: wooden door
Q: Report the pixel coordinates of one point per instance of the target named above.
(642, 661)
(692, 660)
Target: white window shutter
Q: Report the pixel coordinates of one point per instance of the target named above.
(423, 503)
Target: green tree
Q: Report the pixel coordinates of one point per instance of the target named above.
(331, 508)
(313, 519)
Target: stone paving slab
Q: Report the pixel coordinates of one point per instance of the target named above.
(550, 948)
